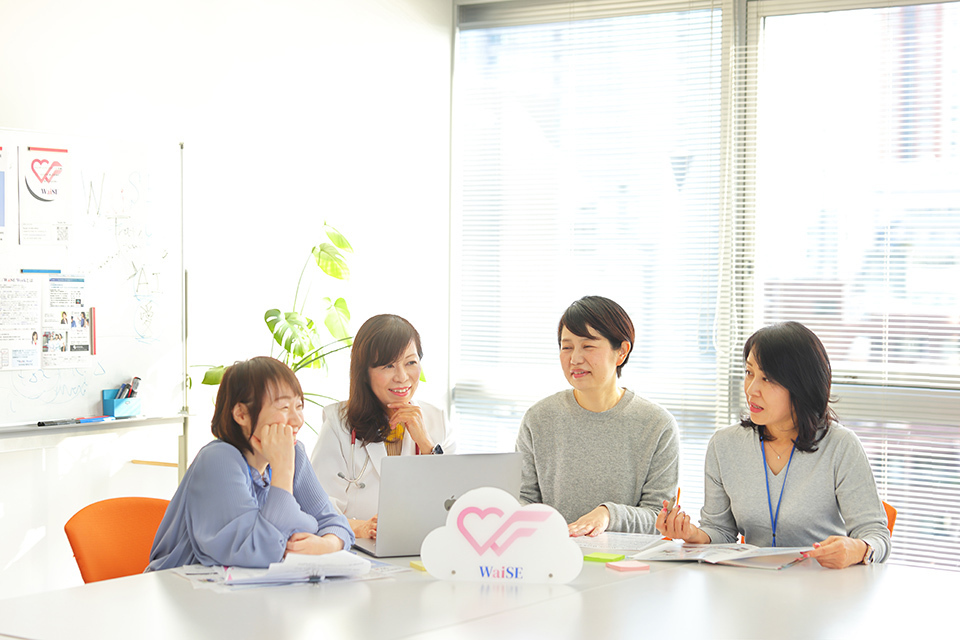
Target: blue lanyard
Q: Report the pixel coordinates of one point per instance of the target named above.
(766, 476)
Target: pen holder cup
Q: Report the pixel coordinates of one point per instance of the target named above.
(119, 408)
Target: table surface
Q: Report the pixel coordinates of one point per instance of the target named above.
(685, 599)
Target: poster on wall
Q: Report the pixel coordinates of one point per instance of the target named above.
(44, 196)
(65, 340)
(20, 327)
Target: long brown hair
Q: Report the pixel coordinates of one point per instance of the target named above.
(251, 382)
(380, 340)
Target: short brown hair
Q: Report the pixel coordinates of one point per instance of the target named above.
(605, 316)
(379, 341)
(250, 382)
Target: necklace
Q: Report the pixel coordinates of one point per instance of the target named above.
(772, 448)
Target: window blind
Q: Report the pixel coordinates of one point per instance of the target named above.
(715, 167)
(587, 161)
(853, 228)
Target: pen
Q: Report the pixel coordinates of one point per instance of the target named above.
(677, 501)
(57, 423)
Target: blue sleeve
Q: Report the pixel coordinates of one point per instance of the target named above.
(313, 500)
(227, 524)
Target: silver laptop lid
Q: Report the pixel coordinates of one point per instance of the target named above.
(416, 492)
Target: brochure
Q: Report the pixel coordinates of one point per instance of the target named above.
(738, 555)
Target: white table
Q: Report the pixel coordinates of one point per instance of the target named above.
(674, 600)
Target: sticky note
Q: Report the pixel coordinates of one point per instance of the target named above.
(418, 565)
(603, 557)
(628, 565)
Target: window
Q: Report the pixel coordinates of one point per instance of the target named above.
(857, 234)
(715, 167)
(590, 163)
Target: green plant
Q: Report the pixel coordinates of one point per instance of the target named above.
(302, 344)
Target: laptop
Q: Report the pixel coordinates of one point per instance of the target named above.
(416, 493)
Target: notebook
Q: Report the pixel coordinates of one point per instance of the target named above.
(416, 492)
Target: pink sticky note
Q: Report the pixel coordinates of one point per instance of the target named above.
(628, 565)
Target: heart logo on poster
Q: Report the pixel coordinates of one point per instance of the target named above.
(52, 171)
(491, 542)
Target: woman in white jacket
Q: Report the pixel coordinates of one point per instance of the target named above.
(379, 419)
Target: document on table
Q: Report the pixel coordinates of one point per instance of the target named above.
(294, 569)
(619, 541)
(738, 555)
(298, 567)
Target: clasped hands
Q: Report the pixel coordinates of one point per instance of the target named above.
(312, 544)
(411, 417)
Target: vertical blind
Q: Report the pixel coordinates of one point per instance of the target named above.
(714, 167)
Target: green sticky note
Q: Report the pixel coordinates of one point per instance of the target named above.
(604, 557)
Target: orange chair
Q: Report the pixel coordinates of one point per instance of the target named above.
(891, 516)
(112, 538)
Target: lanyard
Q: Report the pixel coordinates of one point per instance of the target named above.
(766, 477)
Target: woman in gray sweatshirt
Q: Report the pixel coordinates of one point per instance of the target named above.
(598, 453)
(789, 474)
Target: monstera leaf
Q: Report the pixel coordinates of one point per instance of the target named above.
(213, 375)
(338, 319)
(331, 261)
(299, 336)
(292, 331)
(338, 239)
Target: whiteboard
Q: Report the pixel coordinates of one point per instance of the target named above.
(123, 202)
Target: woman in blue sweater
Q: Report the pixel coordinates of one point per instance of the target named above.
(251, 495)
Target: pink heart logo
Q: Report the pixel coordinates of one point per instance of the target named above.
(52, 171)
(491, 542)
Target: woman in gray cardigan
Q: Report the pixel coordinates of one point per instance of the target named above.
(789, 474)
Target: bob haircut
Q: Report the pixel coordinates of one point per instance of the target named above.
(793, 356)
(605, 316)
(253, 382)
(381, 340)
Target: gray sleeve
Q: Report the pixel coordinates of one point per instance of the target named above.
(529, 482)
(659, 485)
(716, 516)
(859, 502)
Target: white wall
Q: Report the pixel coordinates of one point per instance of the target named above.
(292, 113)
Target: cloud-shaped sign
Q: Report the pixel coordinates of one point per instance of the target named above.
(489, 537)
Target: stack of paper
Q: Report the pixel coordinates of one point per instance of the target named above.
(298, 567)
